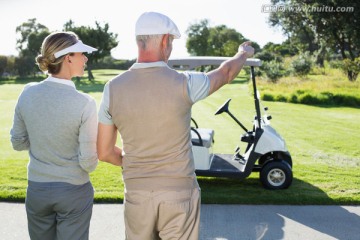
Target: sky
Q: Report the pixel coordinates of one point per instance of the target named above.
(245, 16)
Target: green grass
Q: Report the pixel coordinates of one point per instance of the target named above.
(323, 142)
(321, 87)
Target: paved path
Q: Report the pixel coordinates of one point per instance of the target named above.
(219, 222)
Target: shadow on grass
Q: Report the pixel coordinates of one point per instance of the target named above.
(108, 74)
(229, 191)
(240, 80)
(250, 191)
(88, 87)
(83, 85)
(23, 80)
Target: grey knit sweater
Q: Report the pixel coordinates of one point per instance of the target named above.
(58, 125)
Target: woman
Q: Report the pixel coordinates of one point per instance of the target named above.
(58, 126)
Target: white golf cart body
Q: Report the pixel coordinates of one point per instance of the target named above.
(265, 145)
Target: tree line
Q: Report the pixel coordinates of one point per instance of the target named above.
(312, 38)
(32, 35)
(321, 33)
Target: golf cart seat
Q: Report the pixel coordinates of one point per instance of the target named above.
(202, 137)
(202, 140)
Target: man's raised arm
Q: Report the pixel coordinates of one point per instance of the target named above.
(229, 69)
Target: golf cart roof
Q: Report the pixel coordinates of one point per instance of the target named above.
(189, 63)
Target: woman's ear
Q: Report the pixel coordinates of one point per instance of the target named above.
(67, 58)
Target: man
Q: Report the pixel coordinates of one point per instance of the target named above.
(150, 105)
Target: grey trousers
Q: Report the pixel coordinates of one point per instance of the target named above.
(59, 211)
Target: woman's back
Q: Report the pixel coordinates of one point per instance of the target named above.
(60, 126)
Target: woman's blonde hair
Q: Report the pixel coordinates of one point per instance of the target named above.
(53, 43)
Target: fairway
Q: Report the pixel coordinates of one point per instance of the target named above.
(323, 142)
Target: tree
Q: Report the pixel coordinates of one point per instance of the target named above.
(204, 40)
(351, 68)
(32, 34)
(273, 70)
(198, 35)
(25, 66)
(7, 65)
(35, 41)
(31, 27)
(302, 64)
(3, 64)
(284, 49)
(224, 41)
(334, 22)
(98, 37)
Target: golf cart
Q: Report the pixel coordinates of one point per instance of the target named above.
(265, 151)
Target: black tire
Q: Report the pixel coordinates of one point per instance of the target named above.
(276, 175)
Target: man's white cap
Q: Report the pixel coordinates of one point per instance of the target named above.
(153, 23)
(77, 47)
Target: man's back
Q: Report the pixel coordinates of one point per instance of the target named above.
(153, 107)
(152, 110)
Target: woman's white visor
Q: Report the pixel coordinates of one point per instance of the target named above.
(77, 47)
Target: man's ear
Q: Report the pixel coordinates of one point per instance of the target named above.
(165, 40)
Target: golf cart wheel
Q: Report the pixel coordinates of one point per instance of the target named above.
(276, 175)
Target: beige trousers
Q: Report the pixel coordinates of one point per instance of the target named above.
(151, 215)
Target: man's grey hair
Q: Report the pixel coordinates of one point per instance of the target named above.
(145, 41)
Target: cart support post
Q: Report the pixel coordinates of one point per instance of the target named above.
(256, 98)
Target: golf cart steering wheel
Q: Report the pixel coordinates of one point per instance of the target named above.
(223, 108)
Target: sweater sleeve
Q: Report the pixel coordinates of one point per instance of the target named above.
(88, 158)
(19, 134)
